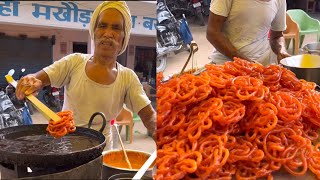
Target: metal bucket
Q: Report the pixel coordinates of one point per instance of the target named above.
(305, 66)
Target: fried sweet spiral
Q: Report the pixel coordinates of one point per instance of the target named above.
(240, 120)
(62, 127)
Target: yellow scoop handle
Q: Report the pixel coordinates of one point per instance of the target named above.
(43, 109)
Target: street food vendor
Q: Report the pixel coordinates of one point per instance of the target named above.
(241, 29)
(97, 82)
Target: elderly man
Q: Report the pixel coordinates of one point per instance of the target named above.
(97, 83)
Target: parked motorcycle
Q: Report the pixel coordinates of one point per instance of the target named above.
(31, 109)
(53, 97)
(197, 8)
(22, 73)
(179, 7)
(206, 7)
(172, 35)
(22, 105)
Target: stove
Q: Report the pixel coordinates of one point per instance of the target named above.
(89, 170)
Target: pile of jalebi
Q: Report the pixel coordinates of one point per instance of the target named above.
(240, 120)
(62, 127)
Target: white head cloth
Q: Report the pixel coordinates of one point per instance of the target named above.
(122, 7)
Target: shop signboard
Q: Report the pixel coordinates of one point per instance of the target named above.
(67, 15)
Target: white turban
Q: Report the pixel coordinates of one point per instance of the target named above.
(122, 7)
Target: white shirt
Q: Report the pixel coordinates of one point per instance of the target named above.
(84, 97)
(247, 25)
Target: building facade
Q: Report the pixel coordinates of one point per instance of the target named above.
(34, 34)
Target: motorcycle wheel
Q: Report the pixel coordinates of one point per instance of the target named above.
(58, 106)
(30, 107)
(200, 16)
(46, 98)
(201, 20)
(161, 63)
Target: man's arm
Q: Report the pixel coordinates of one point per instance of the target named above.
(43, 76)
(148, 117)
(218, 39)
(277, 43)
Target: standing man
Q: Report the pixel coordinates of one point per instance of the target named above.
(240, 28)
(97, 82)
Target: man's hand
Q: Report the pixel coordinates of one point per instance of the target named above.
(282, 55)
(28, 85)
(277, 44)
(148, 117)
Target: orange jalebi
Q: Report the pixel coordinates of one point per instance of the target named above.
(62, 127)
(240, 120)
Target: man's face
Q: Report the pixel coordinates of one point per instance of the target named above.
(109, 33)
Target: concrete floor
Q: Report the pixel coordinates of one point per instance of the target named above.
(176, 62)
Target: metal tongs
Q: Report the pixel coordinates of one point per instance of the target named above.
(193, 48)
(194, 70)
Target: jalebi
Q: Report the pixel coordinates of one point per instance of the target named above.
(240, 120)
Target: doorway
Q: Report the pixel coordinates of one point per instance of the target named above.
(145, 62)
(80, 47)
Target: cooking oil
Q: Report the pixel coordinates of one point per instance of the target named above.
(309, 61)
(46, 144)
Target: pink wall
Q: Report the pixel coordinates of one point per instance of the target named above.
(70, 36)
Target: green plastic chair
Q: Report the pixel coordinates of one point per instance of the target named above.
(307, 24)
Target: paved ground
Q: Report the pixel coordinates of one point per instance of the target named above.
(176, 62)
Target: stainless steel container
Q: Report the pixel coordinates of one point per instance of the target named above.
(305, 66)
(311, 48)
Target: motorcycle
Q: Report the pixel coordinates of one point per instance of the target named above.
(31, 109)
(21, 74)
(206, 7)
(23, 106)
(53, 97)
(197, 8)
(179, 7)
(172, 35)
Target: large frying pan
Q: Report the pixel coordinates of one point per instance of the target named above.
(8, 138)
